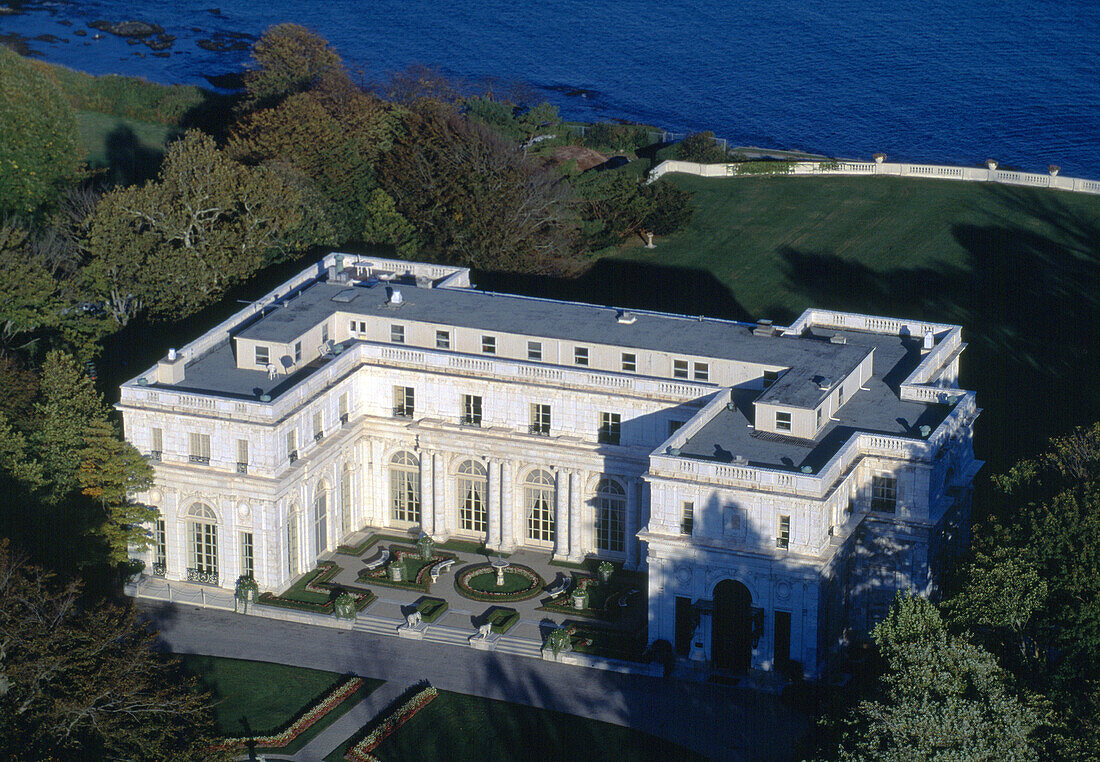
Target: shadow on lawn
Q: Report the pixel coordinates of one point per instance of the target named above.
(1029, 309)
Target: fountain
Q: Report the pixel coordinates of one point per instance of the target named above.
(499, 564)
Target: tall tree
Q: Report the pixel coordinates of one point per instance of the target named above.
(29, 295)
(289, 59)
(942, 698)
(174, 245)
(40, 151)
(80, 683)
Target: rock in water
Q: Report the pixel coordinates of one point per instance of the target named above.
(127, 28)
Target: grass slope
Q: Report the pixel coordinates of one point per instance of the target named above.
(456, 727)
(128, 150)
(1017, 267)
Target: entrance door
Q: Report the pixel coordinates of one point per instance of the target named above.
(731, 627)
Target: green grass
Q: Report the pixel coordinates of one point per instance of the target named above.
(129, 150)
(457, 727)
(258, 698)
(1016, 267)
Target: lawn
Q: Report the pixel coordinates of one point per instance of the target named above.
(1016, 267)
(457, 727)
(257, 698)
(128, 150)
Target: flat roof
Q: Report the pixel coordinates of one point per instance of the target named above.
(876, 408)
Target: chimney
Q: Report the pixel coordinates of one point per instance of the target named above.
(763, 327)
(170, 369)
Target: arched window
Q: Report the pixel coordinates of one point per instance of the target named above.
(472, 514)
(405, 487)
(345, 500)
(292, 540)
(610, 516)
(538, 502)
(202, 527)
(320, 518)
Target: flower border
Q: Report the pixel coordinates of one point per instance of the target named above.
(304, 722)
(487, 596)
(361, 751)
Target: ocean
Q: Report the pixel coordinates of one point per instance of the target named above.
(941, 82)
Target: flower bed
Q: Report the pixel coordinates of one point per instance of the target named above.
(320, 585)
(361, 751)
(533, 588)
(416, 571)
(367, 544)
(597, 593)
(303, 723)
(603, 641)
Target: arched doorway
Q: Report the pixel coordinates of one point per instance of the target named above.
(731, 627)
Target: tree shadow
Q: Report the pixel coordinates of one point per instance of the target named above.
(129, 160)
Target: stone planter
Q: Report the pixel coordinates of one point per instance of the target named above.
(580, 600)
(393, 571)
(605, 572)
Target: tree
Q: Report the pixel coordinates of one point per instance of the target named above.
(40, 151)
(29, 296)
(702, 148)
(289, 59)
(175, 245)
(942, 698)
(81, 682)
(473, 196)
(385, 225)
(111, 472)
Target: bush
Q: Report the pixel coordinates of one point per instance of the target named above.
(700, 147)
(617, 137)
(672, 210)
(431, 609)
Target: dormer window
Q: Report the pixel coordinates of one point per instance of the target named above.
(782, 421)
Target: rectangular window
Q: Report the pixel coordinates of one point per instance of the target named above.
(292, 445)
(242, 456)
(630, 362)
(160, 539)
(442, 339)
(200, 448)
(351, 326)
(534, 350)
(610, 428)
(687, 518)
(324, 333)
(489, 345)
(782, 421)
(884, 494)
(674, 426)
(362, 326)
(404, 401)
(679, 368)
(540, 419)
(783, 537)
(702, 371)
(686, 622)
(263, 357)
(156, 444)
(397, 334)
(344, 408)
(471, 410)
(840, 395)
(248, 565)
(297, 352)
(580, 355)
(782, 638)
(819, 418)
(318, 426)
(770, 377)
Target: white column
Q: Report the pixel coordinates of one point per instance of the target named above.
(576, 510)
(493, 538)
(632, 504)
(379, 509)
(561, 514)
(427, 504)
(443, 505)
(508, 507)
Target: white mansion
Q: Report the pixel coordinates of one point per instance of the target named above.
(778, 485)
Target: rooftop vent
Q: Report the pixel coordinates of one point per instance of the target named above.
(823, 382)
(346, 295)
(395, 300)
(740, 460)
(807, 469)
(764, 327)
(838, 339)
(626, 318)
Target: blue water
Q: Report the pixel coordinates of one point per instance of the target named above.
(954, 82)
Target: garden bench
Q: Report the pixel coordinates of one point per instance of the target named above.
(441, 567)
(379, 560)
(559, 587)
(624, 601)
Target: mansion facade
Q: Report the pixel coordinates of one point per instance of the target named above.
(777, 485)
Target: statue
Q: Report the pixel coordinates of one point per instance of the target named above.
(413, 620)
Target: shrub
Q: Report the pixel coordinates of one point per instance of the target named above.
(672, 209)
(702, 148)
